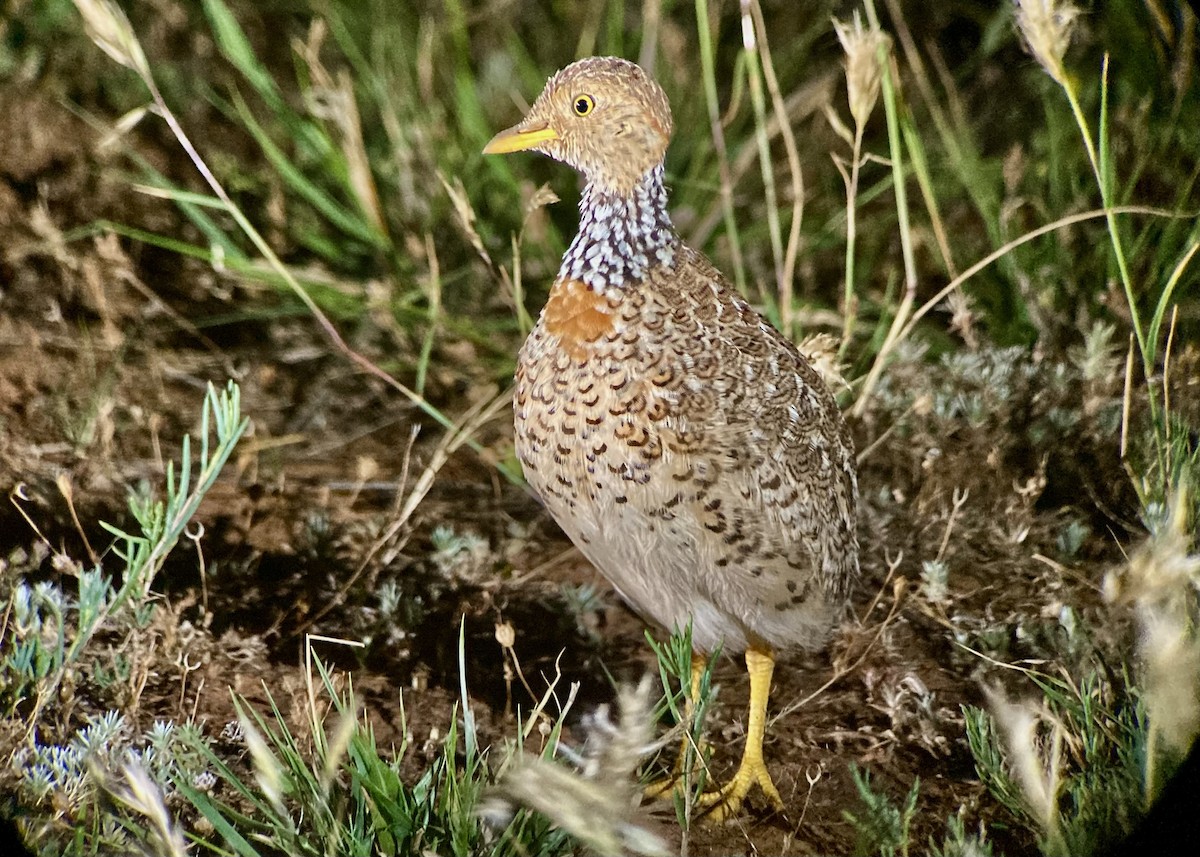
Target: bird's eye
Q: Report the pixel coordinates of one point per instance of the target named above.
(584, 105)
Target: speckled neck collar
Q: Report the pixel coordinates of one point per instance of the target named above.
(621, 236)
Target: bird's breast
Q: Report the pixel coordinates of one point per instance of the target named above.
(593, 430)
(587, 405)
(578, 318)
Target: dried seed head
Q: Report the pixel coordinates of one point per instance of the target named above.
(594, 802)
(820, 350)
(1161, 581)
(107, 26)
(134, 788)
(864, 67)
(267, 769)
(1035, 766)
(1045, 27)
(1171, 663)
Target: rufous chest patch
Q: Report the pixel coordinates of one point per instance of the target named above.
(578, 316)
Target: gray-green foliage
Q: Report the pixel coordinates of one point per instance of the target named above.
(958, 842)
(882, 826)
(69, 786)
(52, 630)
(1088, 746)
(48, 644)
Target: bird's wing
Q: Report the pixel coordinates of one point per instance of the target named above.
(753, 428)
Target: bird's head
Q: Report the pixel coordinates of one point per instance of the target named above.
(602, 115)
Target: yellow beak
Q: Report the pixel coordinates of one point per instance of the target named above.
(519, 139)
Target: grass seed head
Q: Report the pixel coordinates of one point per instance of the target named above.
(1035, 767)
(864, 68)
(267, 770)
(1045, 27)
(1172, 692)
(821, 352)
(135, 789)
(1162, 581)
(594, 803)
(108, 27)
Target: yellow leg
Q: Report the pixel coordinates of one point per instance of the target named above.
(661, 789)
(721, 805)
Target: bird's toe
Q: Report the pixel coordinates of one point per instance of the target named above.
(720, 806)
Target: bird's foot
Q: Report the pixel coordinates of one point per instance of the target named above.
(720, 806)
(664, 788)
(661, 789)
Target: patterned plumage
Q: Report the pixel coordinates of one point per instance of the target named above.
(681, 442)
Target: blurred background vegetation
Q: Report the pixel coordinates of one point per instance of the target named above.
(339, 133)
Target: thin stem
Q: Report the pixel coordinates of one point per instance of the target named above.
(1098, 169)
(850, 307)
(1151, 775)
(718, 137)
(759, 102)
(779, 105)
(435, 310)
(900, 322)
(896, 152)
(901, 331)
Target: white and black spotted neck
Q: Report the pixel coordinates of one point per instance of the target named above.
(621, 237)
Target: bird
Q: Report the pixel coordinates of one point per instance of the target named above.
(681, 442)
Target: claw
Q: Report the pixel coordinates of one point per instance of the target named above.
(720, 806)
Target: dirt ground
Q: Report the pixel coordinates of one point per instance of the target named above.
(102, 370)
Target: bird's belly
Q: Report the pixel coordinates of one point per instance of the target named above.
(656, 566)
(601, 468)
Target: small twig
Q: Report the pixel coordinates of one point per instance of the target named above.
(68, 493)
(892, 565)
(309, 688)
(187, 668)
(195, 538)
(887, 432)
(812, 780)
(1127, 400)
(539, 709)
(779, 108)
(718, 138)
(959, 498)
(18, 493)
(541, 569)
(766, 167)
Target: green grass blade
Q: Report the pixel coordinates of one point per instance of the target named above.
(337, 215)
(232, 41)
